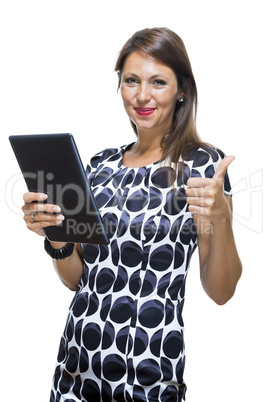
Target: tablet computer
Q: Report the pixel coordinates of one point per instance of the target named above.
(50, 164)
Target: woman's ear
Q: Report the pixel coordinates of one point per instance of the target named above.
(180, 93)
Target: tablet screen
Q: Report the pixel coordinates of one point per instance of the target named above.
(51, 164)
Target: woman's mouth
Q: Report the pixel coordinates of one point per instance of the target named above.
(144, 111)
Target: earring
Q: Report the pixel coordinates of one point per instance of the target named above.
(180, 99)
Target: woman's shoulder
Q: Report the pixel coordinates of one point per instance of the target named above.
(104, 158)
(204, 160)
(200, 155)
(106, 154)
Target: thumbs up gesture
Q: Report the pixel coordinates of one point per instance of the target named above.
(206, 197)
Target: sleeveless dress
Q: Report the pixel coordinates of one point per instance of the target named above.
(123, 339)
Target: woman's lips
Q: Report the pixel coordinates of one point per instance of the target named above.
(144, 111)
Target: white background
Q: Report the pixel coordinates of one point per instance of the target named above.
(56, 72)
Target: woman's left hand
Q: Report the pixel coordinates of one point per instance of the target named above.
(206, 197)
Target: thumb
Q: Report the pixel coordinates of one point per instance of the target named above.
(221, 170)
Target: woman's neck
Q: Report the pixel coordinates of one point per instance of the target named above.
(145, 151)
(147, 143)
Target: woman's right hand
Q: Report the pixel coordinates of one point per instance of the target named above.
(39, 215)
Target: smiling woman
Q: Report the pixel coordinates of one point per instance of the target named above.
(160, 198)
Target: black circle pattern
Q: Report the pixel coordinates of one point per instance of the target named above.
(123, 340)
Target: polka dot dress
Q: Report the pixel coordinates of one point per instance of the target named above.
(123, 339)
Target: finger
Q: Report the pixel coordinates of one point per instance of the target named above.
(197, 201)
(197, 210)
(34, 207)
(41, 217)
(195, 191)
(38, 227)
(197, 182)
(221, 170)
(31, 197)
(42, 220)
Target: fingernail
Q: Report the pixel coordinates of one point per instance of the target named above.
(60, 218)
(42, 197)
(59, 221)
(56, 209)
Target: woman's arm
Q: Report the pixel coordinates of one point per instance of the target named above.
(220, 266)
(70, 269)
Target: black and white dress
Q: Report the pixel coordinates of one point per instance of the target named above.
(123, 339)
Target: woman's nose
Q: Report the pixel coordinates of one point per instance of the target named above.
(144, 93)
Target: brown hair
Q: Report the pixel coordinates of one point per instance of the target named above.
(167, 47)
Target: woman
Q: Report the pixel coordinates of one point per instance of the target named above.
(160, 197)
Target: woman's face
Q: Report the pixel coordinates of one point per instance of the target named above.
(149, 91)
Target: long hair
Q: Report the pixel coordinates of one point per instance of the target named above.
(166, 46)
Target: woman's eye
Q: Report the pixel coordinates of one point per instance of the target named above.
(159, 83)
(130, 81)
